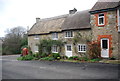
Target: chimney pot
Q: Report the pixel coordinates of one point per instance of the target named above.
(37, 19)
(72, 11)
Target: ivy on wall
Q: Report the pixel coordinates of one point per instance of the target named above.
(45, 45)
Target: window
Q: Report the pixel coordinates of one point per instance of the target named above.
(119, 20)
(82, 48)
(68, 47)
(105, 44)
(55, 36)
(54, 49)
(101, 19)
(68, 34)
(35, 48)
(36, 37)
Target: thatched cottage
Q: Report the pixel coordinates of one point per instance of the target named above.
(101, 23)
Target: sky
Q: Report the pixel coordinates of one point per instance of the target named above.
(23, 13)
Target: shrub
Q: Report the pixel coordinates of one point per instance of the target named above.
(47, 58)
(64, 57)
(83, 58)
(95, 60)
(43, 55)
(36, 55)
(112, 58)
(94, 50)
(27, 57)
(74, 58)
(55, 55)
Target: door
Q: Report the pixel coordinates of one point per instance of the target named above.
(68, 49)
(105, 47)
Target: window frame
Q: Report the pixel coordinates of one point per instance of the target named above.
(36, 47)
(103, 19)
(68, 34)
(80, 49)
(55, 50)
(66, 48)
(36, 37)
(55, 36)
(118, 14)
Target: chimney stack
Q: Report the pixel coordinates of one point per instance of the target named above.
(72, 11)
(37, 19)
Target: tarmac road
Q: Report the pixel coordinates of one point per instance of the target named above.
(13, 69)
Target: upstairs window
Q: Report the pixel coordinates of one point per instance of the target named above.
(55, 36)
(101, 19)
(68, 34)
(36, 37)
(82, 48)
(118, 19)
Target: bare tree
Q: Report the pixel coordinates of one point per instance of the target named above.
(13, 39)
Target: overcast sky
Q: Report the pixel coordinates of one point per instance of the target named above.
(15, 13)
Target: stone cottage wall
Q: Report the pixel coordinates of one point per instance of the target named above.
(109, 29)
(86, 34)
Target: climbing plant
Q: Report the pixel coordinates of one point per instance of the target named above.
(46, 44)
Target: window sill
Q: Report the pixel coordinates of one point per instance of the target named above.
(82, 51)
(55, 39)
(68, 37)
(54, 52)
(36, 38)
(36, 51)
(101, 25)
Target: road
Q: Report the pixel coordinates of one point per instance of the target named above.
(13, 69)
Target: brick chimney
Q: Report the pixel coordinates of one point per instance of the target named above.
(72, 11)
(37, 19)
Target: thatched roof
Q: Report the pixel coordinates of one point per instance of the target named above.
(48, 25)
(79, 20)
(105, 4)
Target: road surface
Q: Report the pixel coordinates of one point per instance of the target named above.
(13, 69)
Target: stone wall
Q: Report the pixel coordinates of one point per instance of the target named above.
(86, 35)
(109, 29)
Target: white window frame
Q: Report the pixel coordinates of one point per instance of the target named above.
(36, 49)
(69, 34)
(101, 17)
(80, 49)
(118, 12)
(54, 49)
(70, 46)
(36, 37)
(55, 36)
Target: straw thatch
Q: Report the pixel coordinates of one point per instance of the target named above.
(78, 20)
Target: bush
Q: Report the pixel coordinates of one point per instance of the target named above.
(95, 60)
(83, 58)
(36, 55)
(64, 57)
(47, 58)
(74, 58)
(27, 57)
(43, 55)
(94, 50)
(55, 55)
(112, 58)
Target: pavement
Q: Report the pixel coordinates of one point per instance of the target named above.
(14, 69)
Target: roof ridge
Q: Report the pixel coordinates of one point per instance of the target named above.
(55, 17)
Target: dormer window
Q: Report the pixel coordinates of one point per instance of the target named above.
(55, 36)
(68, 34)
(101, 19)
(119, 20)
